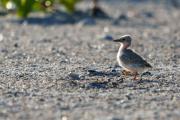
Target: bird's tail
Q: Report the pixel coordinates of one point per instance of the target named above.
(148, 65)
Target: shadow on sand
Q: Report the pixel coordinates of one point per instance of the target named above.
(116, 80)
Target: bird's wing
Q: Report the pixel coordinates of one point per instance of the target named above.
(131, 58)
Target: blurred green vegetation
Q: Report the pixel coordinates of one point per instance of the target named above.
(24, 7)
(69, 4)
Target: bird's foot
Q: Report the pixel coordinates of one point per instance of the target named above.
(135, 76)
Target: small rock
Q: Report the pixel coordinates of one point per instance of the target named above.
(64, 118)
(108, 37)
(146, 73)
(113, 70)
(129, 96)
(130, 85)
(74, 76)
(87, 21)
(98, 85)
(46, 40)
(4, 50)
(1, 37)
(148, 14)
(41, 100)
(94, 73)
(16, 45)
(106, 29)
(114, 84)
(115, 118)
(121, 17)
(105, 37)
(175, 3)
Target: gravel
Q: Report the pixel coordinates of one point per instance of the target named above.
(52, 69)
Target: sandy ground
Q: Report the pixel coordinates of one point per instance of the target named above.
(52, 69)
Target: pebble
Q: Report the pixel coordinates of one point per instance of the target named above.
(146, 74)
(97, 85)
(148, 14)
(1, 37)
(86, 21)
(3, 50)
(105, 37)
(115, 118)
(64, 118)
(74, 76)
(129, 96)
(121, 17)
(92, 72)
(16, 45)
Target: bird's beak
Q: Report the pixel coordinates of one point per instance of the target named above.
(118, 40)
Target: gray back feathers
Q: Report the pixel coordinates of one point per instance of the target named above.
(129, 57)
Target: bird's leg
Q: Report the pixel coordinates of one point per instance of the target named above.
(141, 76)
(135, 76)
(124, 72)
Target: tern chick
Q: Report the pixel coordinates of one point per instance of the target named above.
(128, 59)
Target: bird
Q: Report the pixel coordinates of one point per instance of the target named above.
(129, 60)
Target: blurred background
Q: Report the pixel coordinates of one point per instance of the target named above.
(24, 8)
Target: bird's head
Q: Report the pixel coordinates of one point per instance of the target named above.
(124, 39)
